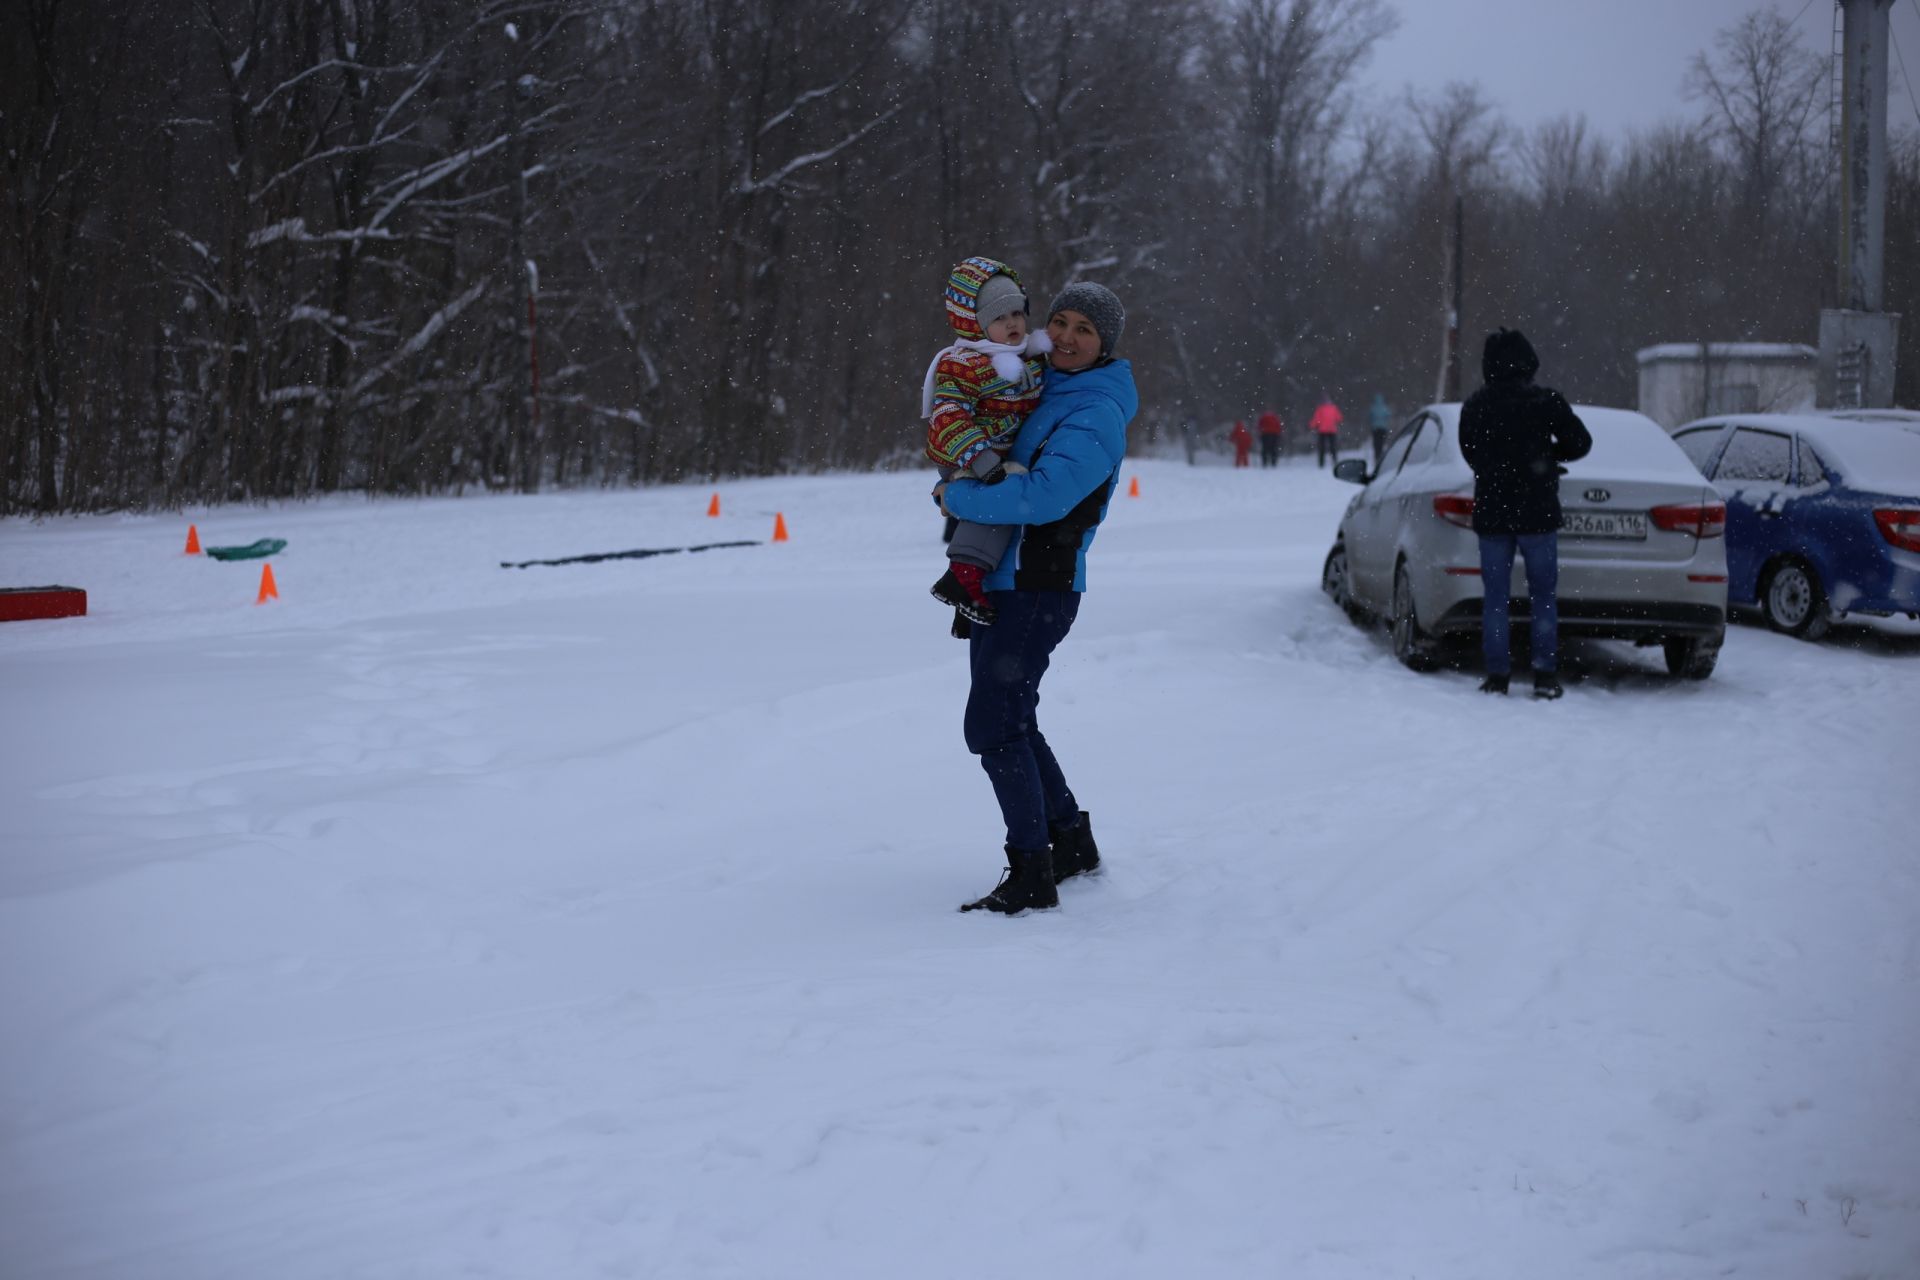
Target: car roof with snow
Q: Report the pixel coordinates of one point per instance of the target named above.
(1874, 449)
(1874, 415)
(1626, 445)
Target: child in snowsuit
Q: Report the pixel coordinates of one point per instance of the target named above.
(976, 394)
(1242, 442)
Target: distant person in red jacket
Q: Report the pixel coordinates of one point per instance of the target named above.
(1269, 439)
(1326, 429)
(1242, 443)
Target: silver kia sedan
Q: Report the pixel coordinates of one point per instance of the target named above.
(1642, 551)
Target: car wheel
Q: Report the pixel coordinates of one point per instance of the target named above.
(1334, 581)
(1692, 657)
(1411, 645)
(1793, 602)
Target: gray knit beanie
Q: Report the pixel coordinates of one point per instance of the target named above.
(998, 296)
(1097, 303)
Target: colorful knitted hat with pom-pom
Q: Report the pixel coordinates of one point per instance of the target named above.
(963, 294)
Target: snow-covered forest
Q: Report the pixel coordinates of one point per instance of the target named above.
(277, 249)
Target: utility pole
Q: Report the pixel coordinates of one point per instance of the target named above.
(1858, 340)
(1459, 297)
(1454, 254)
(1863, 155)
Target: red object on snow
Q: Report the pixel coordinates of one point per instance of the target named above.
(17, 604)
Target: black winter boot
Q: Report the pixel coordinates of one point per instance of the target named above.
(1494, 684)
(1074, 852)
(1026, 886)
(951, 589)
(1546, 685)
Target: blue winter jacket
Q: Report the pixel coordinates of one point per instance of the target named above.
(1071, 444)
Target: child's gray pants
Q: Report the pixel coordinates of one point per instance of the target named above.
(981, 544)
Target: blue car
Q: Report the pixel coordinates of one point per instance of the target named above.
(1823, 512)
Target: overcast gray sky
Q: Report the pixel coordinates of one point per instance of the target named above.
(1621, 62)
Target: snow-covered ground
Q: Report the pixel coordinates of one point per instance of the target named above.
(449, 920)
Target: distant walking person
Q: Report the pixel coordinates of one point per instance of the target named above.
(1515, 435)
(1380, 421)
(1242, 442)
(1269, 439)
(1326, 429)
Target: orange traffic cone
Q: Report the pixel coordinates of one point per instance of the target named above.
(268, 591)
(193, 541)
(713, 508)
(779, 527)
(1133, 487)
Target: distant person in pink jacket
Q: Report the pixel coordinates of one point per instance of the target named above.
(1326, 428)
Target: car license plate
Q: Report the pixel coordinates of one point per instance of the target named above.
(1604, 524)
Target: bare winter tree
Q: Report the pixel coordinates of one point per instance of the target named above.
(763, 80)
(333, 267)
(1463, 137)
(66, 78)
(1283, 73)
(1565, 160)
(1764, 92)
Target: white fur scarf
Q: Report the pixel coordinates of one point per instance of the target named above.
(1008, 361)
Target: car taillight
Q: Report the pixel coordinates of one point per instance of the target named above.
(1701, 519)
(1900, 526)
(1454, 509)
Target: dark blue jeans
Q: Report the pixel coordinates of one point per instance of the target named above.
(1008, 659)
(1541, 551)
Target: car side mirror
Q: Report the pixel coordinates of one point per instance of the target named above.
(1352, 470)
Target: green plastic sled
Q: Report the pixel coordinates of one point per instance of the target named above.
(252, 551)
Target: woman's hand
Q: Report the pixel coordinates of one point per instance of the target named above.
(1004, 469)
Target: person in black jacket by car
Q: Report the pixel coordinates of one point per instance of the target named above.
(1515, 435)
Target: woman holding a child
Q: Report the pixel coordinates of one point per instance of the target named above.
(1068, 452)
